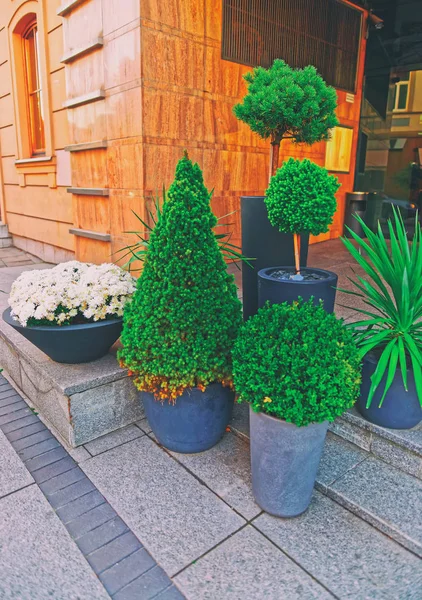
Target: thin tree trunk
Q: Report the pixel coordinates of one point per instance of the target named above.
(296, 241)
(275, 151)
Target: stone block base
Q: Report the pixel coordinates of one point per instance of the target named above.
(79, 402)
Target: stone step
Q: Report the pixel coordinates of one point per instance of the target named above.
(6, 242)
(399, 447)
(375, 490)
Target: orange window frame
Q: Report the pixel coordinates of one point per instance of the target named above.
(33, 89)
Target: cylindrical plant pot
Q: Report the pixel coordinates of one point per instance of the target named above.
(400, 409)
(196, 421)
(275, 286)
(285, 460)
(266, 245)
(71, 343)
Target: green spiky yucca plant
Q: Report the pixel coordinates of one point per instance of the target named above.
(392, 290)
(181, 324)
(136, 252)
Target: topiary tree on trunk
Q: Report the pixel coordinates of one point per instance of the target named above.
(286, 103)
(301, 198)
(180, 327)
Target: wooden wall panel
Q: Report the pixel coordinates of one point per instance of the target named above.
(124, 166)
(160, 162)
(171, 60)
(82, 25)
(122, 55)
(117, 14)
(123, 113)
(89, 169)
(92, 250)
(187, 16)
(85, 75)
(87, 123)
(173, 115)
(92, 213)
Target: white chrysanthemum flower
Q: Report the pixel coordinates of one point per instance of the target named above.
(71, 289)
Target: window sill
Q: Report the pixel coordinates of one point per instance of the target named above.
(34, 159)
(43, 166)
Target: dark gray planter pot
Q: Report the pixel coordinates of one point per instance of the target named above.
(196, 422)
(71, 344)
(285, 460)
(400, 409)
(266, 245)
(278, 291)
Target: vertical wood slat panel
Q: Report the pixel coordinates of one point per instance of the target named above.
(301, 32)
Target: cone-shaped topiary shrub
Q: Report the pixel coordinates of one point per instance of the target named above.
(184, 317)
(301, 198)
(296, 362)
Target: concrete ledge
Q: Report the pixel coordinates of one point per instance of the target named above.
(92, 235)
(79, 402)
(85, 99)
(79, 52)
(67, 7)
(98, 145)
(80, 191)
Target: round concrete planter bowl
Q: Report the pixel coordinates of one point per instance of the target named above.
(277, 291)
(196, 422)
(285, 460)
(400, 409)
(71, 344)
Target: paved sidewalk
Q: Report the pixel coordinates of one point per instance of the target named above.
(13, 257)
(121, 517)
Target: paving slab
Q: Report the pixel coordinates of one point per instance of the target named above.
(147, 586)
(247, 566)
(226, 470)
(339, 456)
(113, 439)
(386, 497)
(347, 555)
(13, 474)
(175, 517)
(38, 558)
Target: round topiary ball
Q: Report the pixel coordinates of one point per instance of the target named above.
(301, 197)
(297, 363)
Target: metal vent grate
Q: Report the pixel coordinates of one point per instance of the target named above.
(323, 33)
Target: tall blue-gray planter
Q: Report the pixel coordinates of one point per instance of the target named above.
(195, 422)
(284, 460)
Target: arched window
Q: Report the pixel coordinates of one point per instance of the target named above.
(33, 89)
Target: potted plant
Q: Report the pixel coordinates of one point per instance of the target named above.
(390, 336)
(281, 103)
(72, 312)
(300, 198)
(181, 324)
(298, 368)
